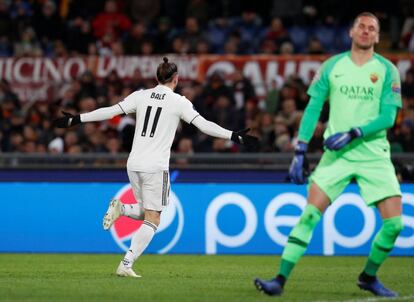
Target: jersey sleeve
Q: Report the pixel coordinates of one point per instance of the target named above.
(319, 88)
(188, 113)
(129, 104)
(391, 89)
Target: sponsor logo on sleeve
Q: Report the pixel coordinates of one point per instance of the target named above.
(396, 88)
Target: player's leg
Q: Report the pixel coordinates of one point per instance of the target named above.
(390, 209)
(326, 183)
(155, 188)
(301, 234)
(116, 208)
(298, 240)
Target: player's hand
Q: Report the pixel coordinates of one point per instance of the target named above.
(339, 140)
(241, 137)
(68, 120)
(299, 168)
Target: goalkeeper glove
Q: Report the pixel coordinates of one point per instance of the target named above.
(67, 121)
(299, 168)
(241, 137)
(339, 140)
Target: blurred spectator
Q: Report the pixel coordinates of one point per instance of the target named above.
(224, 113)
(110, 24)
(233, 45)
(218, 32)
(267, 135)
(315, 47)
(251, 31)
(276, 34)
(192, 34)
(407, 87)
(215, 88)
(87, 85)
(289, 113)
(21, 13)
(185, 147)
(405, 138)
(198, 9)
(135, 38)
(316, 143)
(282, 141)
(28, 45)
(221, 146)
(287, 10)
(143, 10)
(243, 89)
(287, 48)
(113, 145)
(407, 33)
(79, 35)
(48, 25)
(161, 37)
(180, 46)
(202, 47)
(5, 21)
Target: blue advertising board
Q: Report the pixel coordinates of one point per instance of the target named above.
(207, 218)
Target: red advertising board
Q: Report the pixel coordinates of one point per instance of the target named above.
(36, 78)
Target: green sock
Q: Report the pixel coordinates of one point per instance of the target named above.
(383, 244)
(299, 239)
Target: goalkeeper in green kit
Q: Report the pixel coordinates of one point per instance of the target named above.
(364, 95)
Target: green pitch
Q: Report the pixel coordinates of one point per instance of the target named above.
(69, 277)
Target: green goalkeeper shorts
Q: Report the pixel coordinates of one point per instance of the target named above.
(376, 179)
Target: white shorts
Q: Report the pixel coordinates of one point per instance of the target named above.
(152, 189)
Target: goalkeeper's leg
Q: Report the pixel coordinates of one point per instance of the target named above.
(298, 240)
(390, 210)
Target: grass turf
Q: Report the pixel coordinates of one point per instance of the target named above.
(73, 277)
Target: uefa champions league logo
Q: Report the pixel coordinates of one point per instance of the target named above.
(170, 228)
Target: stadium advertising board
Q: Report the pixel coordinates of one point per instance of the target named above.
(38, 78)
(201, 219)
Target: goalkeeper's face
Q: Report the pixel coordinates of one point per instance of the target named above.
(365, 32)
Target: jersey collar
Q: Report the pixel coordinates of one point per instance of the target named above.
(164, 87)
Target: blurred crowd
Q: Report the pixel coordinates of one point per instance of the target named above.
(73, 27)
(229, 101)
(55, 28)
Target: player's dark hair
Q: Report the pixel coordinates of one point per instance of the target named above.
(166, 71)
(366, 14)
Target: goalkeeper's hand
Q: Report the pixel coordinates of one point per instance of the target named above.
(299, 168)
(339, 140)
(249, 141)
(68, 120)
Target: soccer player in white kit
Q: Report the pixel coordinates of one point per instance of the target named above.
(158, 112)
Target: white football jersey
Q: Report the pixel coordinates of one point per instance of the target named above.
(158, 113)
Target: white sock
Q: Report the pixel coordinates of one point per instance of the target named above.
(139, 242)
(134, 211)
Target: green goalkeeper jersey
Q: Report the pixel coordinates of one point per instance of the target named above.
(355, 95)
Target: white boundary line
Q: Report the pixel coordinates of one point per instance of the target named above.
(373, 299)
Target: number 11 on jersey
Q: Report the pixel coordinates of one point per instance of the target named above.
(154, 123)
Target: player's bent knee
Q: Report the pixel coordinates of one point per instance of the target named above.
(393, 226)
(153, 217)
(397, 226)
(310, 216)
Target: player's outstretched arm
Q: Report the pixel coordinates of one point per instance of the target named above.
(101, 114)
(240, 137)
